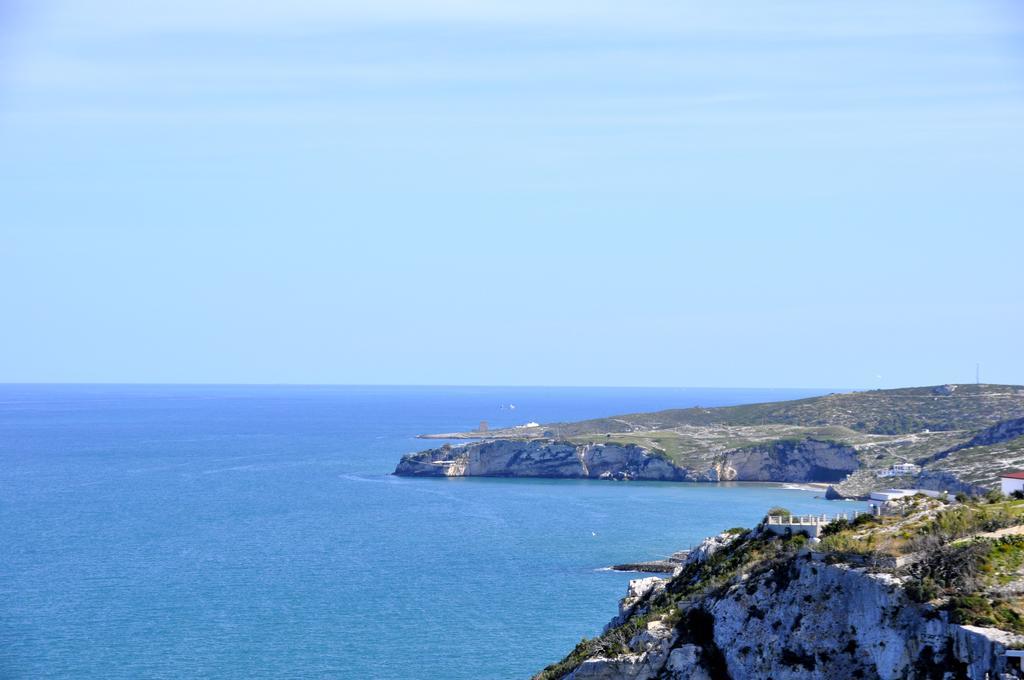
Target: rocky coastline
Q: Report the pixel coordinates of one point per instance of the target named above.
(953, 438)
(878, 597)
(797, 461)
(751, 604)
(663, 566)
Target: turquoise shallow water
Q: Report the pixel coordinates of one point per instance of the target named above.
(230, 532)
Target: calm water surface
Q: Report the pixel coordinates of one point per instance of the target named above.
(238, 532)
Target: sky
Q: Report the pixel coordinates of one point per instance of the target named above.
(747, 193)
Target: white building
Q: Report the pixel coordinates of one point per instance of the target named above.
(810, 525)
(1011, 481)
(890, 494)
(901, 469)
(895, 494)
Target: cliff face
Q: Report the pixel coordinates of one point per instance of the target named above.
(836, 621)
(539, 458)
(972, 432)
(789, 461)
(796, 619)
(814, 621)
(786, 461)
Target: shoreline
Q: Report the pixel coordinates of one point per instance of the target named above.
(789, 486)
(666, 565)
(805, 486)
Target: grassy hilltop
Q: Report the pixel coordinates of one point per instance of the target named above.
(972, 431)
(887, 412)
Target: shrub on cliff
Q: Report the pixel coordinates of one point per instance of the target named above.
(844, 542)
(835, 527)
(994, 496)
(954, 567)
(968, 573)
(922, 590)
(976, 610)
(864, 519)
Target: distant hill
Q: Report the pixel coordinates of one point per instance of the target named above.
(888, 412)
(961, 437)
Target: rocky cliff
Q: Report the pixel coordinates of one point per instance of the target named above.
(805, 460)
(782, 461)
(754, 606)
(963, 436)
(540, 458)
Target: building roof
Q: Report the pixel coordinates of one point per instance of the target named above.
(1012, 475)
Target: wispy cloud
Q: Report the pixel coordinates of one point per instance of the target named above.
(578, 68)
(787, 17)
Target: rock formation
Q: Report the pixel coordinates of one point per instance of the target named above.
(783, 461)
(789, 617)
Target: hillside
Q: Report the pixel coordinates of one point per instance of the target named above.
(962, 436)
(930, 590)
(886, 412)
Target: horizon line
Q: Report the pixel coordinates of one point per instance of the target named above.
(465, 385)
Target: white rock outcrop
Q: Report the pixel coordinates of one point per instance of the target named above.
(706, 548)
(783, 461)
(640, 590)
(806, 620)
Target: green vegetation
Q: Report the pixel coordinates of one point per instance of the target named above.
(969, 576)
(976, 610)
(964, 520)
(886, 412)
(689, 447)
(584, 650)
(958, 429)
(840, 526)
(747, 554)
(1005, 559)
(975, 464)
(958, 562)
(926, 524)
(951, 560)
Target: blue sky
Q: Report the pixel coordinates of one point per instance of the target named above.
(447, 192)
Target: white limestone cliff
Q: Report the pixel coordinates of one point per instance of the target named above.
(786, 461)
(803, 620)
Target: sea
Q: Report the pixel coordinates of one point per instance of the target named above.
(158, 531)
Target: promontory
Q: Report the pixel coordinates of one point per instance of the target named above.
(955, 438)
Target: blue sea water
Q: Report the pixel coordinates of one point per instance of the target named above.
(255, 532)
